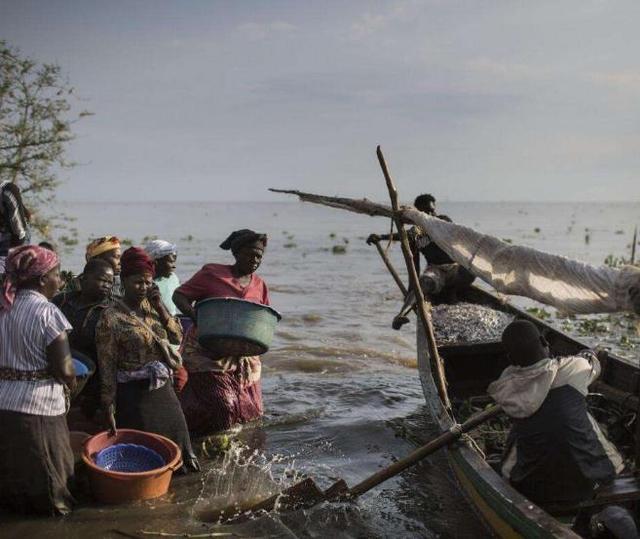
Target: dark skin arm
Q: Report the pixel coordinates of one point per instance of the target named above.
(184, 305)
(155, 299)
(375, 238)
(59, 357)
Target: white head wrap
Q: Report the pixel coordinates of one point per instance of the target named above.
(159, 248)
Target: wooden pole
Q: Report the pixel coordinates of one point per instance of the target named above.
(437, 368)
(443, 440)
(634, 243)
(391, 269)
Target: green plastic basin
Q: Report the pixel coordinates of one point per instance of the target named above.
(235, 327)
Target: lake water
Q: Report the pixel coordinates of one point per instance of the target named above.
(341, 389)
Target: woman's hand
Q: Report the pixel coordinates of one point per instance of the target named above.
(154, 297)
(108, 417)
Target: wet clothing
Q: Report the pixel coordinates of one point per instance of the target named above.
(136, 372)
(14, 228)
(155, 411)
(167, 286)
(220, 392)
(36, 466)
(556, 450)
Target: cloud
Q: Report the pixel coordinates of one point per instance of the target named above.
(258, 31)
(371, 23)
(509, 71)
(627, 80)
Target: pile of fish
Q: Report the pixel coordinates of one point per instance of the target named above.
(468, 323)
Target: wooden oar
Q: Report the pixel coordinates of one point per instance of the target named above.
(306, 493)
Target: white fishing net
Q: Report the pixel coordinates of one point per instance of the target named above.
(569, 285)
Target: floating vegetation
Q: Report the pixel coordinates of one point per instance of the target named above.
(66, 240)
(619, 232)
(591, 326)
(188, 238)
(290, 245)
(339, 250)
(538, 312)
(345, 240)
(149, 238)
(127, 241)
(537, 230)
(332, 235)
(615, 261)
(507, 240)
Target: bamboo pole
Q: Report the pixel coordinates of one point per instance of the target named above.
(437, 368)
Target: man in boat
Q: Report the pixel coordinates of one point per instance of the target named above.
(442, 276)
(556, 451)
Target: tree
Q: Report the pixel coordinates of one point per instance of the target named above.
(35, 128)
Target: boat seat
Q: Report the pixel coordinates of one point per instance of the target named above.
(622, 489)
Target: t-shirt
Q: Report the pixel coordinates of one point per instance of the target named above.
(168, 286)
(26, 330)
(217, 281)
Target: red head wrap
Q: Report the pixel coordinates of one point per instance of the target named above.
(135, 261)
(23, 264)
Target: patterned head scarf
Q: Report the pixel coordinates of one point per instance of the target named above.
(23, 264)
(135, 261)
(243, 237)
(101, 245)
(160, 248)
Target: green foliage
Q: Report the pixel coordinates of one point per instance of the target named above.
(615, 261)
(339, 249)
(35, 128)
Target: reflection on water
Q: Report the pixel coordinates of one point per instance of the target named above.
(341, 391)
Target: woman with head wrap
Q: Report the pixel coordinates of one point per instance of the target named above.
(136, 361)
(164, 255)
(221, 392)
(106, 248)
(35, 366)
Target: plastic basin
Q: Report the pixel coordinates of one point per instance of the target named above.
(85, 369)
(114, 487)
(235, 327)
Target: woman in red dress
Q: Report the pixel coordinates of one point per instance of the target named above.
(220, 392)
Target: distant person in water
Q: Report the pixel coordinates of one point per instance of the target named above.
(165, 255)
(83, 308)
(221, 392)
(556, 451)
(14, 220)
(136, 362)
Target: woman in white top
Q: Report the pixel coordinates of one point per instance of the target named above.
(36, 463)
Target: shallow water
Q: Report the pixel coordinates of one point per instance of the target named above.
(341, 389)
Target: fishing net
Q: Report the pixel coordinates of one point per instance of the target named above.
(569, 285)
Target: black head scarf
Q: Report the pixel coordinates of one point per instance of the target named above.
(243, 237)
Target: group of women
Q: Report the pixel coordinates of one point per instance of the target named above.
(125, 314)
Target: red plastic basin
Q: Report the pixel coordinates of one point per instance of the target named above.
(122, 487)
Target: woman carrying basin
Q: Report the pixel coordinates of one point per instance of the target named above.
(221, 392)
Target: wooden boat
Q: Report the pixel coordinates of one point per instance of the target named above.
(469, 369)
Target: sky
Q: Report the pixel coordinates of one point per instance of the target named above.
(470, 100)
